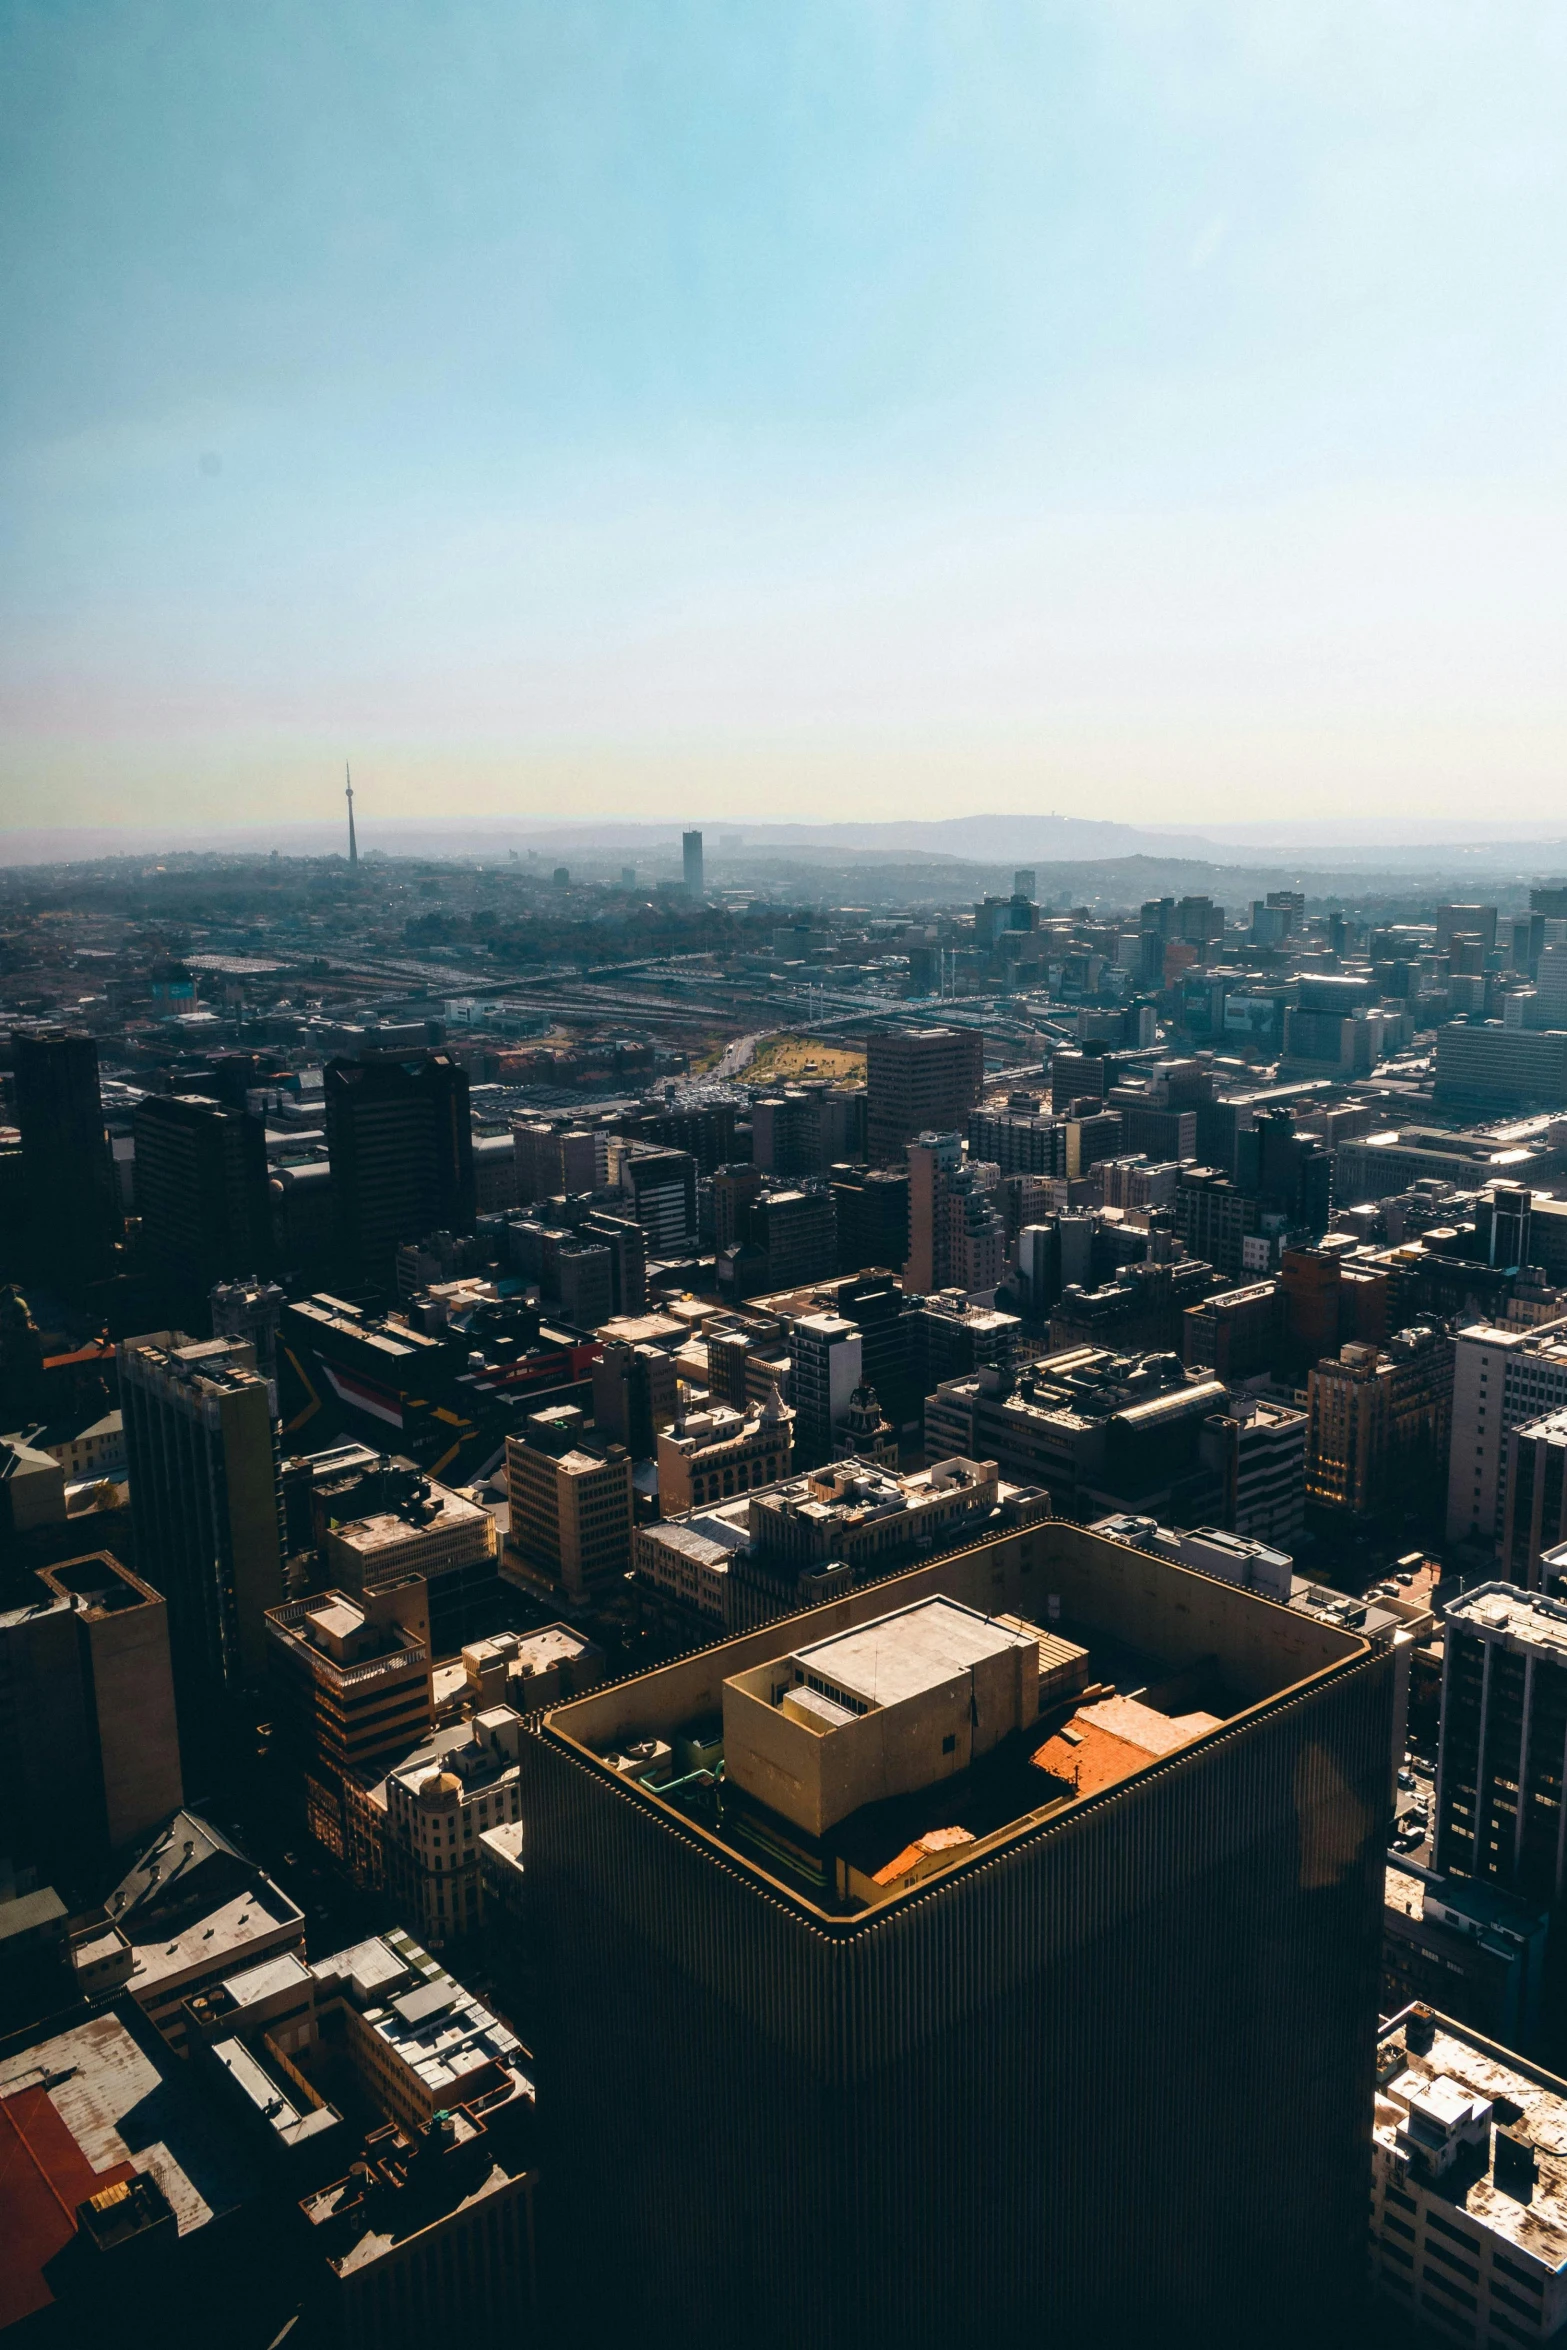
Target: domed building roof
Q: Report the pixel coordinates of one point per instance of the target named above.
(439, 1787)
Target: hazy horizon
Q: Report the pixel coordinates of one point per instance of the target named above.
(1138, 411)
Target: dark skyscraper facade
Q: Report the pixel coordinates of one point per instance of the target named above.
(67, 1174)
(201, 1192)
(919, 1080)
(401, 1149)
(1106, 2072)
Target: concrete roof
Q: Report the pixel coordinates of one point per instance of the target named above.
(899, 1656)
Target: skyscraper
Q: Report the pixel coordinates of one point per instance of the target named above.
(202, 1194)
(918, 1078)
(68, 1176)
(206, 1509)
(401, 1148)
(1500, 1813)
(691, 857)
(952, 1968)
(826, 1366)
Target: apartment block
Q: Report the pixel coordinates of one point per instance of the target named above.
(570, 1504)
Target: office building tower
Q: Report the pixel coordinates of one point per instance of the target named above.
(1500, 1815)
(1018, 1142)
(1465, 922)
(930, 1845)
(1257, 1450)
(350, 1674)
(89, 1753)
(1503, 1379)
(1489, 1065)
(871, 1207)
(1535, 1515)
(956, 1238)
(68, 1179)
(249, 1311)
(401, 1149)
(1239, 1332)
(570, 1508)
(661, 1186)
(918, 1079)
(1381, 1419)
(691, 863)
(1550, 1004)
(797, 1234)
(1476, 1950)
(1025, 882)
(636, 1392)
(206, 1509)
(1466, 2231)
(203, 1200)
(825, 1369)
(426, 1530)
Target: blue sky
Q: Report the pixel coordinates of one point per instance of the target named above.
(678, 409)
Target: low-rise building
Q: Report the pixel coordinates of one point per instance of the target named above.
(529, 1669)
(1468, 2184)
(432, 1807)
(1476, 1947)
(714, 1452)
(1212, 1550)
(193, 1911)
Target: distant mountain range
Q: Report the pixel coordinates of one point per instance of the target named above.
(1367, 847)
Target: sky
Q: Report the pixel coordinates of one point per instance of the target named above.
(682, 409)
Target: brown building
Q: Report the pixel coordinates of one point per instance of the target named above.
(1378, 1418)
(351, 1675)
(919, 1079)
(713, 1454)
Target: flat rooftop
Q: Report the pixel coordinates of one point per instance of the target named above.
(1525, 1620)
(1192, 1650)
(921, 1647)
(1461, 2066)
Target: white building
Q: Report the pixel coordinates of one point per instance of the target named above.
(1468, 2190)
(1502, 1378)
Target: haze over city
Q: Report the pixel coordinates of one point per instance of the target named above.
(1127, 409)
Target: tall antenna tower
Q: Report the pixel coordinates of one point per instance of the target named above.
(353, 845)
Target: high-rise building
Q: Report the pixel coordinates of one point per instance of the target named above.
(1380, 1417)
(1500, 1811)
(691, 862)
(401, 1150)
(943, 1915)
(1487, 1063)
(826, 1368)
(570, 1506)
(1258, 1450)
(68, 1176)
(956, 1238)
(249, 1311)
(426, 1530)
(1503, 1378)
(351, 1679)
(872, 1211)
(206, 1508)
(203, 1201)
(798, 1236)
(1536, 1497)
(89, 1752)
(918, 1079)
(662, 1189)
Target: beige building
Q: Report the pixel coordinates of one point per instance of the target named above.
(1377, 1414)
(433, 1806)
(438, 1532)
(888, 1708)
(570, 1505)
(715, 1452)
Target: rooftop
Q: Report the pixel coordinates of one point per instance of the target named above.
(1523, 1620)
(921, 1647)
(1438, 2091)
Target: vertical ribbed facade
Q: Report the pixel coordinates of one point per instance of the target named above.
(1115, 2074)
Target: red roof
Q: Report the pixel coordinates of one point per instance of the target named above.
(44, 2175)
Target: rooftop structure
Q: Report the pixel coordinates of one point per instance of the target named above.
(1469, 2188)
